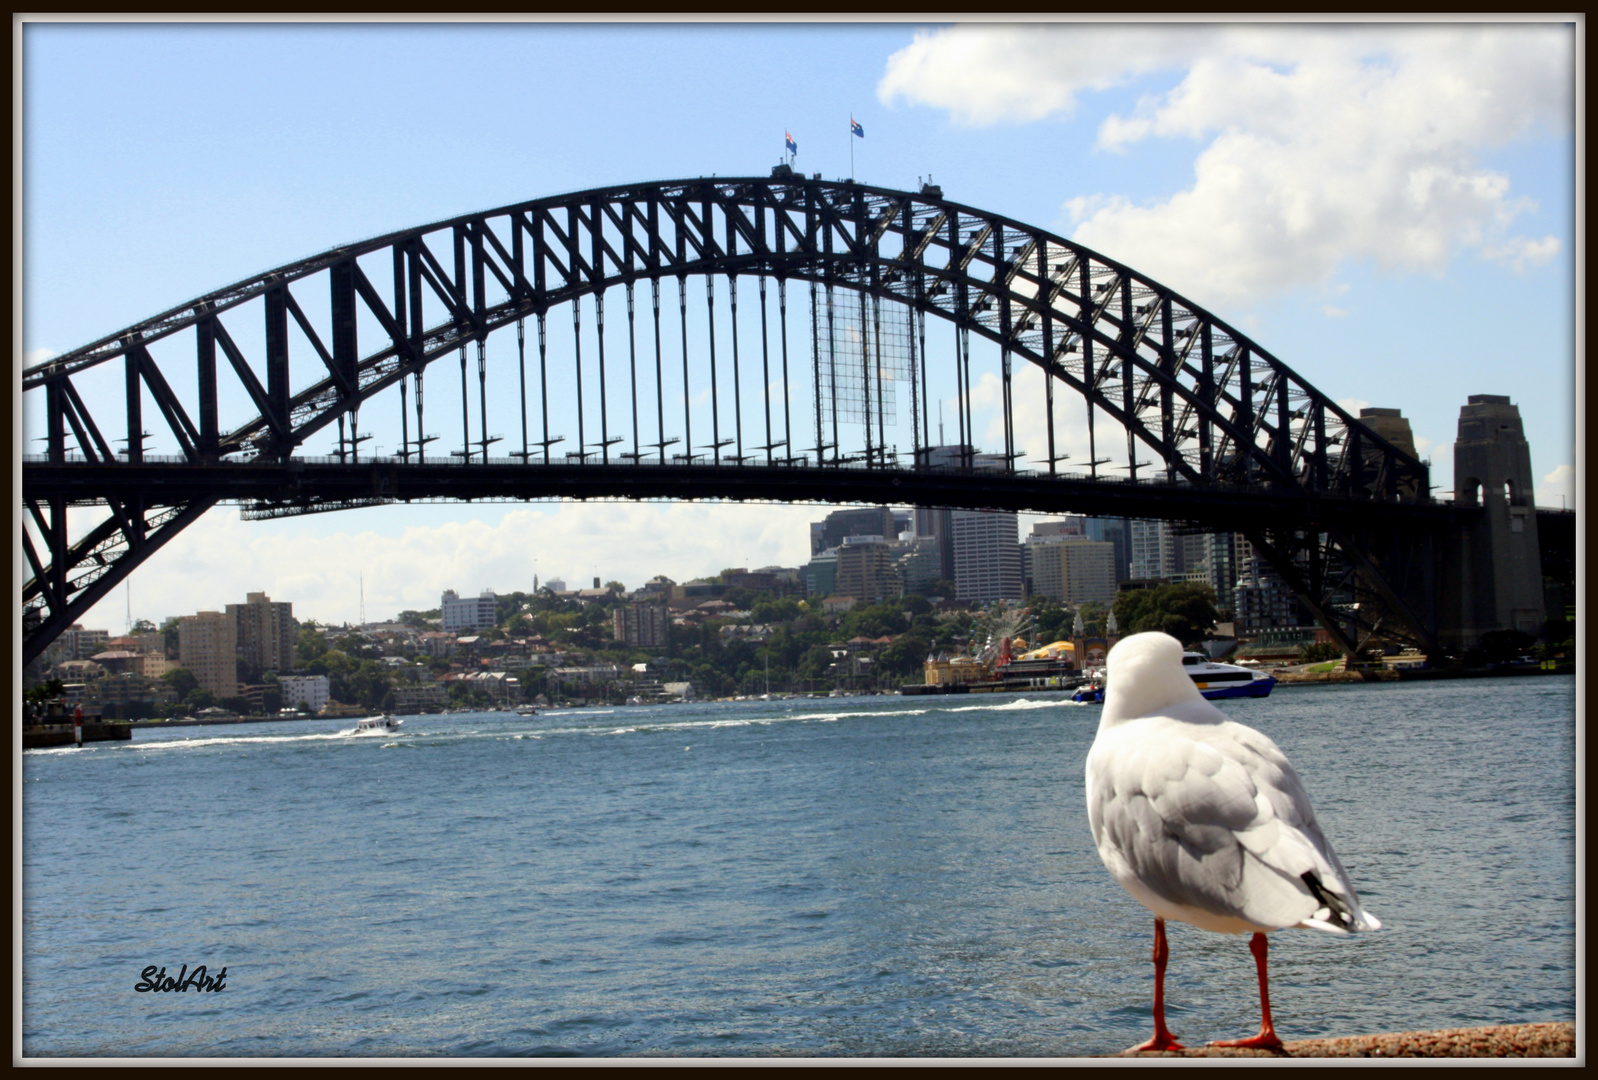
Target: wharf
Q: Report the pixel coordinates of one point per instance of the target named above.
(43, 736)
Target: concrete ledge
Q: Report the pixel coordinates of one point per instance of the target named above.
(1505, 1041)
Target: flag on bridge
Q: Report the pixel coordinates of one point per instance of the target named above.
(855, 128)
(793, 147)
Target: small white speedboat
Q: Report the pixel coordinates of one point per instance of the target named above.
(377, 724)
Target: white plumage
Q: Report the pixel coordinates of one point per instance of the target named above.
(1203, 819)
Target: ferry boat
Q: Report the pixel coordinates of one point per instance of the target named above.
(377, 723)
(1214, 680)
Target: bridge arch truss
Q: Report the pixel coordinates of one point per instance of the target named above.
(1044, 343)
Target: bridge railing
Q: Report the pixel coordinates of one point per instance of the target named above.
(644, 463)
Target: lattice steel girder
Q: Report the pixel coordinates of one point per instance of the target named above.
(1146, 331)
(79, 575)
(1229, 507)
(1364, 574)
(1219, 411)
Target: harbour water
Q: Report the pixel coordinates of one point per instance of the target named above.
(901, 877)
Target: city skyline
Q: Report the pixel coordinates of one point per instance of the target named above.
(1136, 152)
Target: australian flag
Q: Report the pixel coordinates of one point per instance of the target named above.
(855, 128)
(793, 147)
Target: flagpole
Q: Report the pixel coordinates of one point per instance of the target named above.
(851, 145)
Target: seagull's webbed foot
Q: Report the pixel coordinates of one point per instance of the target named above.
(1265, 1040)
(1162, 1040)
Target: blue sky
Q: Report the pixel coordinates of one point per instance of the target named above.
(1388, 209)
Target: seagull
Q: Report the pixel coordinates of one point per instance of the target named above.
(1203, 820)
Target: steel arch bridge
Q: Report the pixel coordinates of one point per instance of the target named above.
(1069, 348)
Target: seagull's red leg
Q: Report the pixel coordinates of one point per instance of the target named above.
(1163, 1039)
(1266, 1039)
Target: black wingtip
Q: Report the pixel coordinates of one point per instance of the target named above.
(1336, 907)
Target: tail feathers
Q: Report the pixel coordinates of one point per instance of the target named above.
(1338, 914)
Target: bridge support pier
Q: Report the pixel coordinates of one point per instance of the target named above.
(1492, 565)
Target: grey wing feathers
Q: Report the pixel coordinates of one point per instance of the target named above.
(1213, 817)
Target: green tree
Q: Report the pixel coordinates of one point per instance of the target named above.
(182, 682)
(309, 646)
(1185, 611)
(905, 657)
(1318, 651)
(878, 620)
(271, 695)
(774, 609)
(45, 691)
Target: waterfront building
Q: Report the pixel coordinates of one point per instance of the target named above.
(1152, 549)
(1072, 568)
(789, 580)
(436, 643)
(265, 632)
(1065, 527)
(88, 642)
(208, 647)
(941, 671)
(919, 563)
(935, 525)
(641, 625)
(987, 555)
(865, 570)
(418, 697)
(1263, 601)
(856, 521)
(310, 691)
(1113, 531)
(1220, 555)
(471, 613)
(76, 643)
(821, 575)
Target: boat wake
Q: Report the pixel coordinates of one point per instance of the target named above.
(1018, 705)
(233, 740)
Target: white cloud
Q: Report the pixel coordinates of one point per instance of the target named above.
(1334, 312)
(992, 74)
(37, 356)
(1558, 488)
(1325, 144)
(1520, 252)
(221, 557)
(1072, 449)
